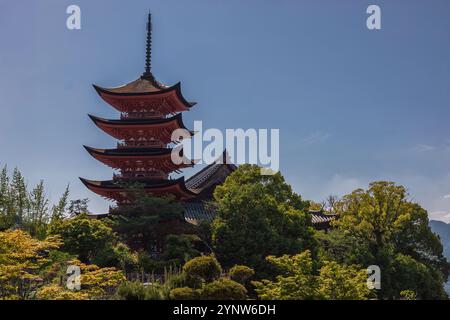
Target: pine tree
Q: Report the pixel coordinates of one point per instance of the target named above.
(58, 210)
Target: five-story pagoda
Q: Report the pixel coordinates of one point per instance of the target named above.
(150, 112)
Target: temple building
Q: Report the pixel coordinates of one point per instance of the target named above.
(149, 113)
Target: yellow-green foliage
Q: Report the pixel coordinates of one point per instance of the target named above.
(184, 293)
(241, 273)
(21, 259)
(224, 289)
(203, 269)
(298, 281)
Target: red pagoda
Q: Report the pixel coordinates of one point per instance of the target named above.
(149, 112)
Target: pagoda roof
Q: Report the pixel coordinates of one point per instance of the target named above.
(160, 158)
(130, 152)
(112, 190)
(139, 121)
(144, 89)
(140, 85)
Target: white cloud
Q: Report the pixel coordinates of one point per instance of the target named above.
(423, 148)
(447, 196)
(340, 185)
(440, 215)
(315, 137)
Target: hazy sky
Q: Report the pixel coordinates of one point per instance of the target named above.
(352, 105)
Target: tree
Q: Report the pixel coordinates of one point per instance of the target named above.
(146, 223)
(224, 289)
(83, 236)
(389, 224)
(257, 216)
(299, 281)
(22, 208)
(179, 248)
(78, 206)
(202, 269)
(96, 283)
(241, 274)
(18, 197)
(341, 282)
(21, 260)
(37, 215)
(58, 210)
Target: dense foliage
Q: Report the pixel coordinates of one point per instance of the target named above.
(380, 226)
(298, 280)
(258, 216)
(261, 245)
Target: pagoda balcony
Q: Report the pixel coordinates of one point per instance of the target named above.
(139, 176)
(140, 144)
(143, 114)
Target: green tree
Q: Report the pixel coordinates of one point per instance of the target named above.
(241, 274)
(389, 224)
(78, 206)
(58, 210)
(19, 201)
(180, 248)
(37, 216)
(258, 215)
(224, 289)
(146, 223)
(298, 280)
(202, 269)
(83, 236)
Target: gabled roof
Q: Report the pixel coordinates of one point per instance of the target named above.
(320, 217)
(202, 178)
(198, 212)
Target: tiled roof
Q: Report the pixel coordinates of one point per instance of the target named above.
(320, 217)
(196, 212)
(199, 179)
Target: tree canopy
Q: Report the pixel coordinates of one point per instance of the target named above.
(258, 216)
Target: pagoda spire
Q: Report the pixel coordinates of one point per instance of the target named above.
(148, 55)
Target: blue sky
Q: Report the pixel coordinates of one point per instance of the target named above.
(352, 105)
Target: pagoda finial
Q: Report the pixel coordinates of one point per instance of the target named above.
(148, 56)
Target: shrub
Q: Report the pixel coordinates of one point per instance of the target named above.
(184, 293)
(224, 289)
(131, 291)
(408, 295)
(241, 274)
(202, 269)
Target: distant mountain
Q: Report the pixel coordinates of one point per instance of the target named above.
(442, 229)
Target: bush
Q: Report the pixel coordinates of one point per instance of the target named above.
(184, 293)
(224, 289)
(408, 295)
(131, 291)
(241, 274)
(202, 269)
